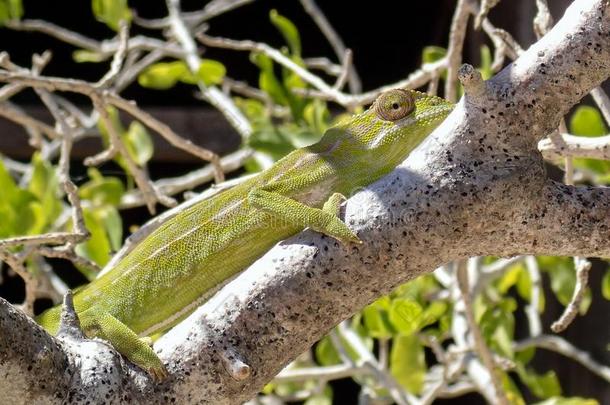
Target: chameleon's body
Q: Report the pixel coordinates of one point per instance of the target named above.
(184, 261)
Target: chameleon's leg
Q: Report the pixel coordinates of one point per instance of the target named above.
(124, 340)
(286, 209)
(333, 204)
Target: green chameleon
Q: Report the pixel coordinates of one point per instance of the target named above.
(183, 262)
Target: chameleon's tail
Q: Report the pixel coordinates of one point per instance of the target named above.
(50, 319)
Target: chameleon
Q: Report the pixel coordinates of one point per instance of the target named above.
(186, 260)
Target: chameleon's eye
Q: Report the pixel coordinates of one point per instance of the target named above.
(394, 105)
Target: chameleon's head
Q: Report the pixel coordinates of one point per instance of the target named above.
(392, 127)
(401, 119)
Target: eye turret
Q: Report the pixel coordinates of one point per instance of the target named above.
(394, 105)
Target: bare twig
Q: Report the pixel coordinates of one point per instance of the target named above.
(543, 21)
(11, 113)
(368, 360)
(189, 181)
(345, 69)
(565, 348)
(603, 102)
(576, 146)
(277, 56)
(480, 347)
(212, 94)
(105, 97)
(118, 58)
(212, 9)
(582, 266)
(150, 193)
(456, 44)
(166, 132)
(335, 42)
(105, 49)
(327, 373)
(486, 6)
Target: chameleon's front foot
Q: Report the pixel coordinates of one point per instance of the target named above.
(335, 227)
(137, 350)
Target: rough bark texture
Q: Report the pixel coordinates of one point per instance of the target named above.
(476, 187)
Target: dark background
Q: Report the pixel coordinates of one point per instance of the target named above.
(386, 36)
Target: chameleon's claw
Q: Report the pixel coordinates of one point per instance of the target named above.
(158, 374)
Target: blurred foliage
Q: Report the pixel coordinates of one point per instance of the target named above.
(401, 322)
(588, 121)
(10, 10)
(111, 12)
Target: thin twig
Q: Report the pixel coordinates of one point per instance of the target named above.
(150, 193)
(582, 266)
(576, 146)
(345, 69)
(457, 34)
(335, 42)
(603, 102)
(480, 347)
(533, 307)
(172, 186)
(117, 59)
(9, 112)
(565, 348)
(213, 9)
(211, 93)
(277, 56)
(105, 49)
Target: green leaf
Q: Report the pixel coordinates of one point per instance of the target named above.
(7, 184)
(163, 75)
(407, 363)
(44, 185)
(326, 354)
(288, 30)
(526, 355)
(587, 121)
(267, 81)
(210, 72)
(97, 248)
(111, 12)
(541, 385)
(116, 123)
(139, 143)
(497, 326)
(102, 190)
(376, 322)
(10, 10)
(433, 312)
(510, 278)
(16, 213)
(405, 315)
(431, 54)
(606, 285)
(43, 177)
(485, 67)
(83, 55)
(113, 225)
(562, 275)
(323, 398)
(317, 116)
(512, 391)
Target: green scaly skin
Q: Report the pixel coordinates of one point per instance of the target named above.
(183, 262)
